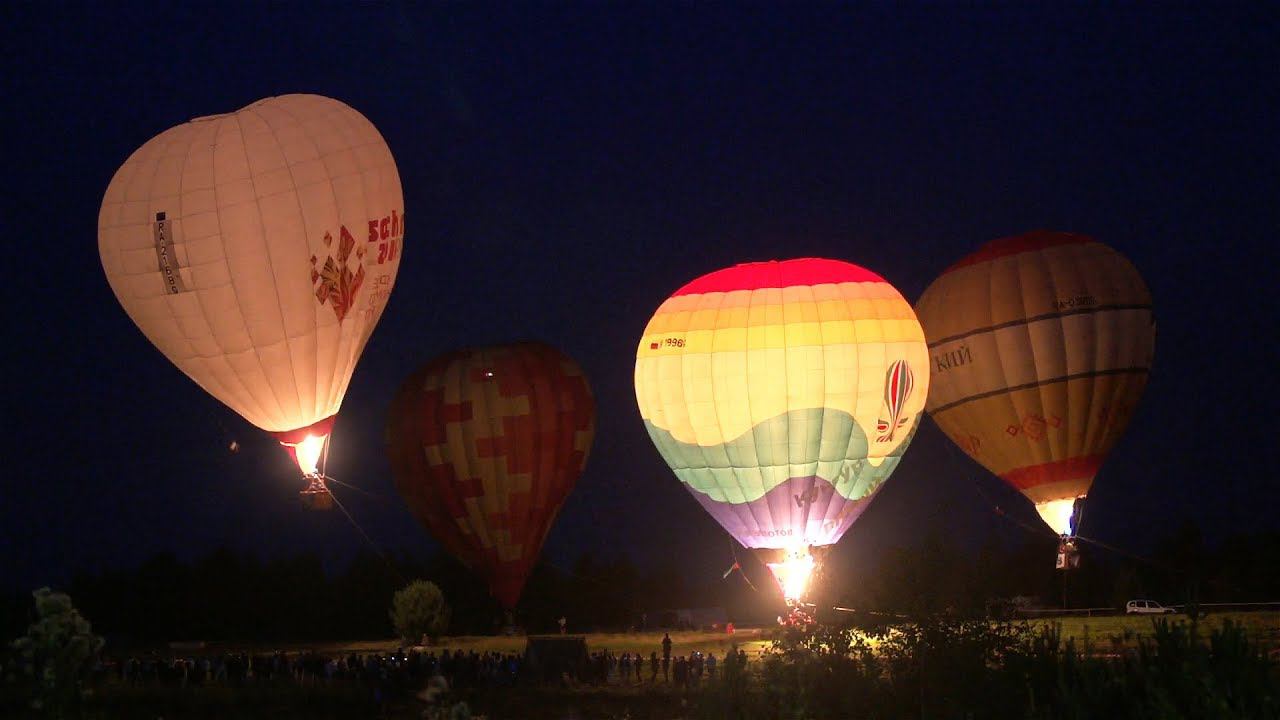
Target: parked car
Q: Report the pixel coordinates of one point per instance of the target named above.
(1147, 607)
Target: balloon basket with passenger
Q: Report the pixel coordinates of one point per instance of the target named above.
(316, 495)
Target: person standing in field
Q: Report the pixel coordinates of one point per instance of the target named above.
(563, 621)
(653, 667)
(666, 655)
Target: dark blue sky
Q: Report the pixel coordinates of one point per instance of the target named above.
(566, 167)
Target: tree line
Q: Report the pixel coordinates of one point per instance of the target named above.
(228, 595)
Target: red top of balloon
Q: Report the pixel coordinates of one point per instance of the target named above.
(1034, 240)
(779, 274)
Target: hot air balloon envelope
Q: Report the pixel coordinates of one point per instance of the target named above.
(1040, 345)
(486, 444)
(783, 394)
(257, 250)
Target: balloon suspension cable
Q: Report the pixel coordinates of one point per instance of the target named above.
(995, 508)
(737, 566)
(357, 488)
(377, 550)
(324, 458)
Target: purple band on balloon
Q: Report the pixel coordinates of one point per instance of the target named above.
(802, 510)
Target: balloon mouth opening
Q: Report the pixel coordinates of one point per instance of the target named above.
(793, 572)
(307, 452)
(1059, 515)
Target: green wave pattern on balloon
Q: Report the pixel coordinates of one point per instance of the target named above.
(821, 442)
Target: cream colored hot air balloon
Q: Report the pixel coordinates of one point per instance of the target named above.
(257, 250)
(1040, 347)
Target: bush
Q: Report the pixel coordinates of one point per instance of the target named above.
(946, 667)
(418, 611)
(59, 649)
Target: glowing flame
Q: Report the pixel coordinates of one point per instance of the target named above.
(1057, 514)
(307, 453)
(793, 572)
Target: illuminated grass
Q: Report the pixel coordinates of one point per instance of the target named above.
(1262, 626)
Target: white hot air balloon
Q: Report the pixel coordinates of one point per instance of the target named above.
(257, 250)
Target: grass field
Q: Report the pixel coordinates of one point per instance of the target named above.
(1262, 626)
(751, 640)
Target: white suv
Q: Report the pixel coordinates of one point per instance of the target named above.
(1147, 607)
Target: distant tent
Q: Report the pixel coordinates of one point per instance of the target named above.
(549, 658)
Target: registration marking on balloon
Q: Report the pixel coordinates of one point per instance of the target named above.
(165, 256)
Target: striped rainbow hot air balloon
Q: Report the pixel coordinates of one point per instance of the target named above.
(783, 394)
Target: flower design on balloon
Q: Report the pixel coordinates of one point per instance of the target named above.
(334, 281)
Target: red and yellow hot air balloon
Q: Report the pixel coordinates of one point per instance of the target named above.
(257, 250)
(783, 394)
(485, 445)
(1040, 347)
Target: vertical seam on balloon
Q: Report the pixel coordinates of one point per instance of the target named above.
(758, 528)
(204, 311)
(338, 390)
(329, 402)
(487, 502)
(231, 278)
(687, 381)
(214, 380)
(1043, 391)
(560, 384)
(1096, 352)
(536, 526)
(562, 476)
(528, 364)
(271, 268)
(151, 186)
(822, 422)
(1087, 442)
(455, 374)
(995, 344)
(1019, 260)
(360, 338)
(437, 373)
(847, 292)
(711, 382)
(497, 466)
(1097, 445)
(861, 481)
(801, 417)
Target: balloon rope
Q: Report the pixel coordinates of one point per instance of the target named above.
(992, 505)
(738, 566)
(324, 457)
(357, 488)
(367, 539)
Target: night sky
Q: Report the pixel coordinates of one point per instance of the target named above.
(567, 167)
